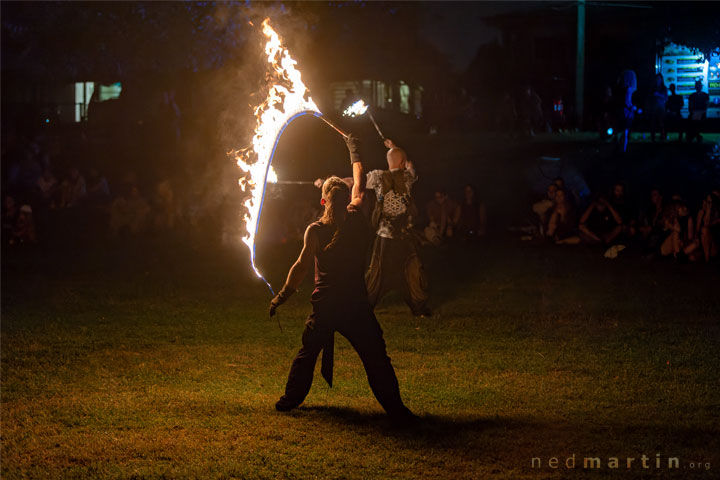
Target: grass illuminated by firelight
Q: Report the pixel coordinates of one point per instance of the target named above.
(168, 367)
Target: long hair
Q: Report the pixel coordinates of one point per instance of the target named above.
(336, 194)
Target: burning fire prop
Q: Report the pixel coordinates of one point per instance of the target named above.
(360, 108)
(287, 99)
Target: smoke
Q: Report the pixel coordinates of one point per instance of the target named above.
(225, 99)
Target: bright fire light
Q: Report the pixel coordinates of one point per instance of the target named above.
(356, 109)
(287, 99)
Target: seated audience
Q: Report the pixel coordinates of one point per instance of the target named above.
(562, 226)
(47, 187)
(682, 241)
(472, 219)
(23, 231)
(98, 190)
(622, 207)
(443, 214)
(129, 213)
(543, 208)
(651, 226)
(601, 223)
(708, 226)
(73, 189)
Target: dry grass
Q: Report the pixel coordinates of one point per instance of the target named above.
(167, 369)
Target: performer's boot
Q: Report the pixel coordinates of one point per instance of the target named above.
(285, 404)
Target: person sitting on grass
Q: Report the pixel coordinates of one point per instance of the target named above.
(543, 208)
(562, 225)
(336, 246)
(600, 224)
(708, 226)
(23, 233)
(682, 242)
(443, 214)
(472, 219)
(620, 204)
(651, 227)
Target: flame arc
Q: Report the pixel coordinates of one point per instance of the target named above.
(262, 198)
(287, 99)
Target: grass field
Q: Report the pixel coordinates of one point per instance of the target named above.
(165, 365)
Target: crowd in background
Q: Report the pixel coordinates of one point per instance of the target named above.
(47, 202)
(665, 226)
(448, 219)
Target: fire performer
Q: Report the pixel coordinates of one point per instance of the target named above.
(395, 262)
(337, 245)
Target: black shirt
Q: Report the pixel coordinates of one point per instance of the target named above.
(340, 271)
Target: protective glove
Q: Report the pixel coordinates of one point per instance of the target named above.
(280, 298)
(353, 145)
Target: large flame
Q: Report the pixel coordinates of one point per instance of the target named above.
(356, 109)
(287, 98)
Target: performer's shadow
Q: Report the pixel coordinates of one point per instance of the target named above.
(430, 428)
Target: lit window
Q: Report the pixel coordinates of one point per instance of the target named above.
(404, 98)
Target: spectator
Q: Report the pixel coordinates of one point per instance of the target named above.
(74, 189)
(708, 226)
(9, 217)
(164, 201)
(562, 225)
(98, 190)
(651, 222)
(656, 107)
(531, 111)
(622, 207)
(682, 240)
(627, 83)
(472, 218)
(697, 106)
(47, 186)
(129, 213)
(443, 214)
(569, 196)
(601, 223)
(543, 208)
(674, 108)
(23, 231)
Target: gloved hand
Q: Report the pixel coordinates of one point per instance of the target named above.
(280, 298)
(353, 145)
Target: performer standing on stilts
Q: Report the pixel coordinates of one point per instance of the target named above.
(337, 245)
(395, 262)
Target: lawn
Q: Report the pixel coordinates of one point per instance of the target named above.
(165, 365)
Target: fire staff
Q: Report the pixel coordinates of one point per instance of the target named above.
(337, 245)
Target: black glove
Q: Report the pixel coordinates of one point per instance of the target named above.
(353, 145)
(280, 298)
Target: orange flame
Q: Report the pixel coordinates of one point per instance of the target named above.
(287, 98)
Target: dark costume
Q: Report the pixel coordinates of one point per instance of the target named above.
(340, 303)
(395, 262)
(697, 105)
(674, 107)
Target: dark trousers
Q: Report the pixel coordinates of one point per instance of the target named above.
(694, 127)
(395, 264)
(362, 330)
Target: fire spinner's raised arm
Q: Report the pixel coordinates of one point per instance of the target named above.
(358, 187)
